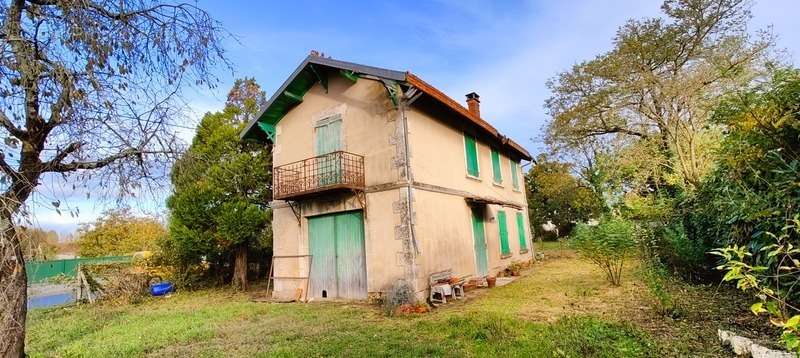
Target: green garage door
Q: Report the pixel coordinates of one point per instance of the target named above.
(336, 243)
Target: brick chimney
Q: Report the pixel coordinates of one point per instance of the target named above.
(474, 104)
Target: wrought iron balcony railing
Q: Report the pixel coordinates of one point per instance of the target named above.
(332, 171)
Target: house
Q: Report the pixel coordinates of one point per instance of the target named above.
(378, 176)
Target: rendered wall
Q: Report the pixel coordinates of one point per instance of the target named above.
(369, 128)
(442, 220)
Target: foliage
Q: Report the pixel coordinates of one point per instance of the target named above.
(555, 195)
(119, 283)
(773, 283)
(607, 245)
(222, 187)
(755, 187)
(401, 293)
(38, 244)
(119, 232)
(644, 105)
(655, 277)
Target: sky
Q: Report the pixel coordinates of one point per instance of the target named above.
(503, 50)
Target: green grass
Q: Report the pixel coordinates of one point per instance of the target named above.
(213, 323)
(563, 308)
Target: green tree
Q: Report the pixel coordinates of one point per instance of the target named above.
(38, 244)
(555, 195)
(649, 98)
(219, 210)
(755, 187)
(119, 232)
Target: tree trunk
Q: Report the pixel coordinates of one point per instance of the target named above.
(13, 292)
(239, 280)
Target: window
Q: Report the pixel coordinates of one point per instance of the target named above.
(471, 153)
(523, 243)
(505, 250)
(328, 135)
(498, 175)
(514, 174)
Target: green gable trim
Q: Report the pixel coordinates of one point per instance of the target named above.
(395, 91)
(350, 75)
(296, 97)
(269, 129)
(314, 69)
(321, 77)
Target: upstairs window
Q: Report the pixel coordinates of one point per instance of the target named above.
(514, 174)
(498, 175)
(471, 154)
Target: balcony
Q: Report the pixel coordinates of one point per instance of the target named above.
(313, 176)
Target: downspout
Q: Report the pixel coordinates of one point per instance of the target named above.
(409, 186)
(527, 212)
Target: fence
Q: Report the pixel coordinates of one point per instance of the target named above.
(39, 271)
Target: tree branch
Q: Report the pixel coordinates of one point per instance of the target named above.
(5, 168)
(79, 165)
(11, 128)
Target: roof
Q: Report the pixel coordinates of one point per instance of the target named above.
(310, 71)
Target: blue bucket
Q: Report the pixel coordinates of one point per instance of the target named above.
(161, 288)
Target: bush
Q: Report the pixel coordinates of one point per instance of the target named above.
(775, 285)
(607, 245)
(401, 293)
(684, 256)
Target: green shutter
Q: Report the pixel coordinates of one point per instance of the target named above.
(501, 223)
(498, 175)
(479, 240)
(514, 174)
(471, 152)
(328, 140)
(523, 244)
(329, 135)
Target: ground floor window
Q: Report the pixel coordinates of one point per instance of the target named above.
(502, 225)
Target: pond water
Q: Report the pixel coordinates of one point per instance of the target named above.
(51, 300)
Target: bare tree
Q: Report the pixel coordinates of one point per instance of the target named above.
(89, 90)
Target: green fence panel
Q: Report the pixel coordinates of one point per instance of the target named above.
(39, 271)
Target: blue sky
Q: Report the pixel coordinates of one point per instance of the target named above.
(503, 50)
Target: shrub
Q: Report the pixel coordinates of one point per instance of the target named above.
(607, 245)
(684, 256)
(775, 284)
(401, 293)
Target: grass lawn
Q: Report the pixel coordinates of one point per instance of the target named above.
(562, 308)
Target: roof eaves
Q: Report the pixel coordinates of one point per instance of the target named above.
(445, 99)
(275, 96)
(329, 62)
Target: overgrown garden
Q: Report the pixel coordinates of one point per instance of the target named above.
(689, 132)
